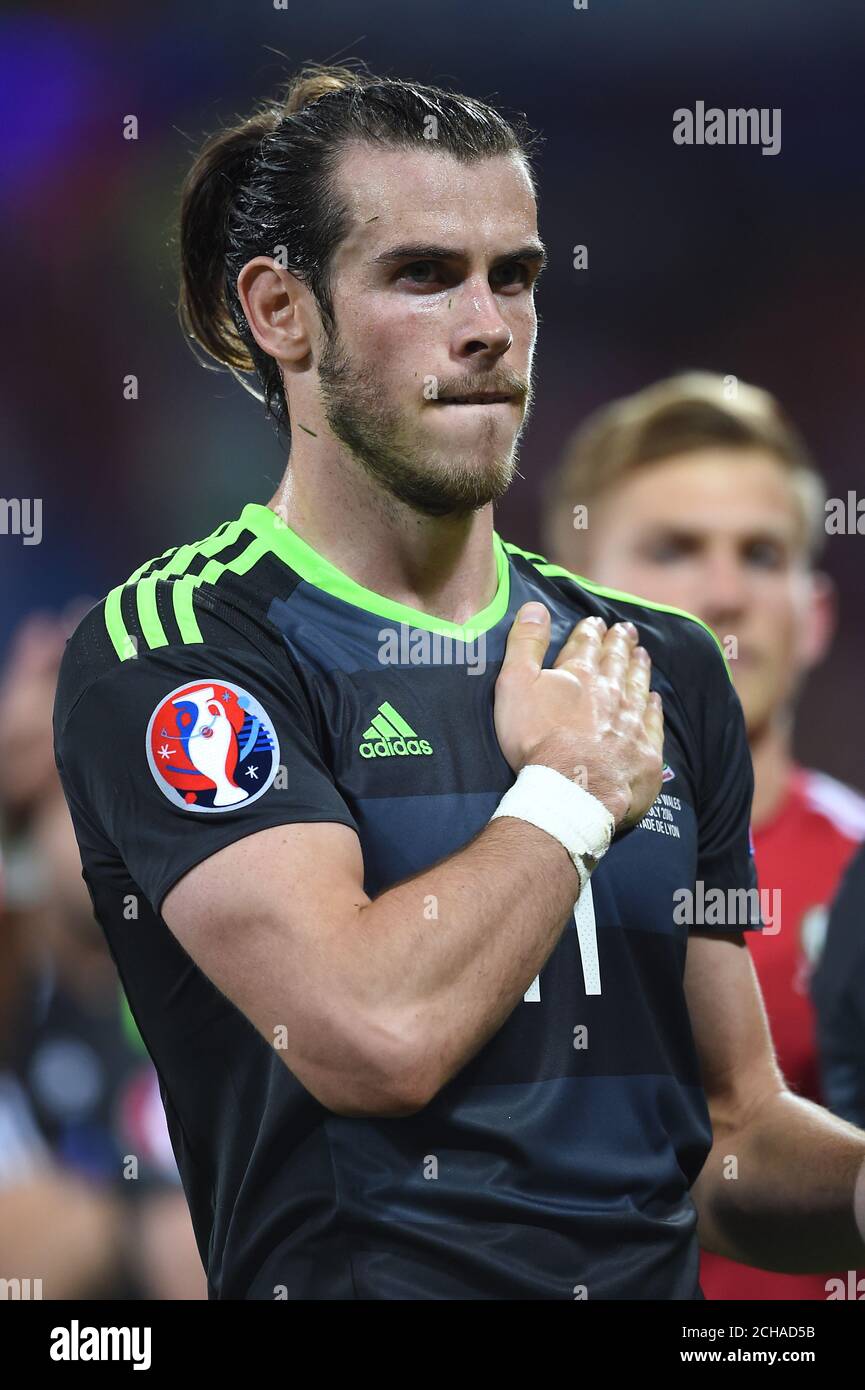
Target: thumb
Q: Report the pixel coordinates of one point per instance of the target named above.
(528, 640)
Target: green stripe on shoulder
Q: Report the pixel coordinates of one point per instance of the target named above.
(552, 571)
(120, 638)
(531, 555)
(148, 613)
(183, 586)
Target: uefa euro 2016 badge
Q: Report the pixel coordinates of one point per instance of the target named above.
(211, 747)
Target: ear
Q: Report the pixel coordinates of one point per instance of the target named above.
(820, 619)
(277, 307)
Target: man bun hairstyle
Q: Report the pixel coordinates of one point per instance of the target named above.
(269, 182)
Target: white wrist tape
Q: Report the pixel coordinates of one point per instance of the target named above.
(569, 813)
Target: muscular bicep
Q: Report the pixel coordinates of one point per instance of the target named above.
(730, 1028)
(273, 920)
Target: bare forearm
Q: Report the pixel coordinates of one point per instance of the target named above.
(375, 1005)
(779, 1193)
(454, 949)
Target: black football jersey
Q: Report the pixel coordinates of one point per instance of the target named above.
(244, 682)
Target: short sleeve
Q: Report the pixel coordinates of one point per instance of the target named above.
(725, 852)
(173, 755)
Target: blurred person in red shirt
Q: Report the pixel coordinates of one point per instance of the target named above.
(90, 1197)
(699, 494)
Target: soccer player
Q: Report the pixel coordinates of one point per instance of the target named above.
(697, 490)
(398, 927)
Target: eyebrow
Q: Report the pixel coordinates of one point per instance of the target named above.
(420, 251)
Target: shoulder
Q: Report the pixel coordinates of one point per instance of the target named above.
(834, 802)
(679, 642)
(175, 614)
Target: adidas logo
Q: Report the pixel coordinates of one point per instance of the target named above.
(390, 736)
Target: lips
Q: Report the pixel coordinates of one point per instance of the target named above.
(494, 398)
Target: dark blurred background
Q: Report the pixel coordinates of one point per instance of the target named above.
(720, 258)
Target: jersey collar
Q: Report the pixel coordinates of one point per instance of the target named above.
(314, 569)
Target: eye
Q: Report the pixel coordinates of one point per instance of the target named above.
(765, 555)
(512, 275)
(517, 269)
(666, 550)
(421, 272)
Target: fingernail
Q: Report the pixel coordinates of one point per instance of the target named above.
(533, 613)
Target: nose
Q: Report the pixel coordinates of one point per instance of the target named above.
(482, 329)
(725, 594)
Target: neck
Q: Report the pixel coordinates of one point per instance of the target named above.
(772, 757)
(443, 566)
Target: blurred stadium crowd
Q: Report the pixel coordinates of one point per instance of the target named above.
(90, 1197)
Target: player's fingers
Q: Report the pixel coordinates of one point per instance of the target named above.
(528, 640)
(638, 680)
(653, 721)
(616, 652)
(583, 642)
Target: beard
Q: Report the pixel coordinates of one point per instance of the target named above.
(378, 436)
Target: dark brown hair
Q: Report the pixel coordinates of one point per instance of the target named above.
(269, 182)
(680, 415)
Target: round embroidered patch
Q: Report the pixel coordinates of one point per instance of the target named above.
(211, 747)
